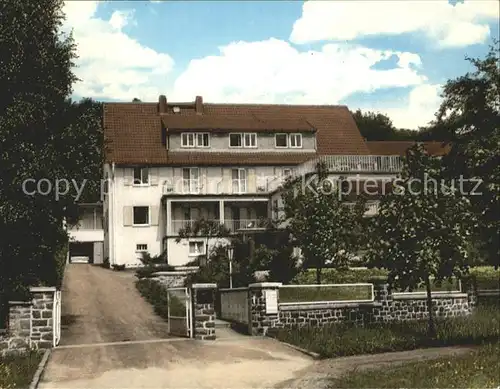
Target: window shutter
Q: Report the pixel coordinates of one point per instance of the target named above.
(227, 183)
(154, 176)
(155, 214)
(251, 181)
(128, 215)
(128, 176)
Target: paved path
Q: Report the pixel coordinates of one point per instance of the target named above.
(113, 339)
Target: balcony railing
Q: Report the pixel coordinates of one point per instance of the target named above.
(89, 224)
(354, 164)
(230, 224)
(244, 224)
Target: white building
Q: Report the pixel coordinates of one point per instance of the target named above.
(86, 239)
(168, 164)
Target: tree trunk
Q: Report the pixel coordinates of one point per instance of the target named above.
(432, 327)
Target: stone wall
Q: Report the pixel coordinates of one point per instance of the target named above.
(173, 279)
(387, 306)
(204, 311)
(261, 317)
(30, 323)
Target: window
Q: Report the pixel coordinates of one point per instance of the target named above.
(203, 139)
(187, 140)
(247, 140)
(235, 140)
(141, 248)
(287, 172)
(239, 180)
(190, 180)
(141, 216)
(281, 140)
(196, 248)
(250, 140)
(296, 141)
(195, 139)
(141, 176)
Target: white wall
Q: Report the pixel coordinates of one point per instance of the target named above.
(178, 253)
(76, 235)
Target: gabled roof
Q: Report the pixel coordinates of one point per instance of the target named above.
(133, 131)
(400, 147)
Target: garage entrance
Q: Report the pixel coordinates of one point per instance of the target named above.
(81, 252)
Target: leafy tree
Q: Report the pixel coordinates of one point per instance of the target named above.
(377, 126)
(42, 136)
(422, 229)
(206, 230)
(321, 224)
(136, 100)
(470, 111)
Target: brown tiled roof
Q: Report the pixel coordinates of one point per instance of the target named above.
(400, 147)
(133, 131)
(252, 123)
(239, 158)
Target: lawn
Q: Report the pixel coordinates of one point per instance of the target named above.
(18, 371)
(475, 370)
(344, 339)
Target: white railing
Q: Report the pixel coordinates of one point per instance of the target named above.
(244, 224)
(326, 293)
(56, 318)
(234, 304)
(354, 164)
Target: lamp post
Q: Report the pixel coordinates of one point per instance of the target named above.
(230, 253)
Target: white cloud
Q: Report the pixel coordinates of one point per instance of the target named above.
(273, 71)
(445, 24)
(112, 64)
(423, 102)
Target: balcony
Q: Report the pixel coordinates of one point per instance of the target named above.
(231, 225)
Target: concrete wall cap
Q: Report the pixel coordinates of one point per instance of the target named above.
(423, 295)
(41, 289)
(265, 285)
(204, 286)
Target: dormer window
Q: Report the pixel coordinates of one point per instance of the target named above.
(293, 141)
(245, 140)
(296, 141)
(195, 139)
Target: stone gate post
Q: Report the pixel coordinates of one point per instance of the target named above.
(203, 308)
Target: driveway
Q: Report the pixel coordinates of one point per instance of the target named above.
(100, 305)
(113, 339)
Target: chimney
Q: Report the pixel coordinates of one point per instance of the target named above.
(162, 104)
(199, 105)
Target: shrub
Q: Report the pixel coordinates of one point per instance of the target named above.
(344, 339)
(148, 270)
(155, 294)
(118, 267)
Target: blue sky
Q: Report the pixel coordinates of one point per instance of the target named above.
(389, 56)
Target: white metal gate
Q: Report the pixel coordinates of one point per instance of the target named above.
(56, 317)
(179, 312)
